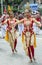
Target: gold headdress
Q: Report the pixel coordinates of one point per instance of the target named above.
(9, 8)
(27, 6)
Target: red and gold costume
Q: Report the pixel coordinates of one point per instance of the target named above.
(11, 33)
(28, 38)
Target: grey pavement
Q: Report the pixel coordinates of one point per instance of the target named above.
(19, 58)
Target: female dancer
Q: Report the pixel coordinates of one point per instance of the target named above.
(29, 33)
(11, 31)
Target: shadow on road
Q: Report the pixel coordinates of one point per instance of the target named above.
(17, 55)
(35, 63)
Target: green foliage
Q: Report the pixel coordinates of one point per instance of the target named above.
(15, 9)
(40, 9)
(0, 10)
(17, 1)
(41, 27)
(12, 3)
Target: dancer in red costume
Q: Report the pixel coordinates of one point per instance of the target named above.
(3, 26)
(29, 33)
(11, 31)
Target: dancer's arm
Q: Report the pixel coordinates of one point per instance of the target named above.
(19, 21)
(4, 22)
(37, 22)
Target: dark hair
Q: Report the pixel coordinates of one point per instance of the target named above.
(20, 16)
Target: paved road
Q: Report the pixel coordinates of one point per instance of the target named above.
(19, 58)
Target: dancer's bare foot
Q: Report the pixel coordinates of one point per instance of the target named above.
(30, 61)
(34, 59)
(15, 50)
(12, 50)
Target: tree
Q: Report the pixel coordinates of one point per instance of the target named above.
(13, 3)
